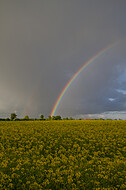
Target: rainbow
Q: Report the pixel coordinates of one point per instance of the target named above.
(76, 75)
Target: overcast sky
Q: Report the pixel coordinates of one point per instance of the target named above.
(42, 45)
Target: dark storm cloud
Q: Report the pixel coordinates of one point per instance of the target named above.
(43, 43)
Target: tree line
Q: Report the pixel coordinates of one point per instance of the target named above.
(13, 117)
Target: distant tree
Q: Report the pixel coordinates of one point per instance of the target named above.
(7, 119)
(2, 119)
(13, 116)
(26, 117)
(42, 117)
(101, 119)
(49, 117)
(58, 117)
(17, 119)
(70, 118)
(53, 117)
(66, 118)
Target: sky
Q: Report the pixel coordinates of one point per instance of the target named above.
(43, 43)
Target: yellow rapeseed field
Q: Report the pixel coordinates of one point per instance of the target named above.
(62, 155)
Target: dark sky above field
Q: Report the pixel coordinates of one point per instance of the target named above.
(42, 45)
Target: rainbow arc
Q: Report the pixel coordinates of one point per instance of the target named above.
(58, 101)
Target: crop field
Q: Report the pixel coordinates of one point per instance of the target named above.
(62, 155)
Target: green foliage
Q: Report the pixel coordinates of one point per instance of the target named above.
(13, 116)
(42, 117)
(7, 119)
(63, 155)
(58, 117)
(49, 117)
(101, 119)
(70, 118)
(26, 117)
(17, 119)
(66, 118)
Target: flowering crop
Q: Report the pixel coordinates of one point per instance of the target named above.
(63, 155)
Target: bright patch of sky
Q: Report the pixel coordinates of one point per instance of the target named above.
(104, 115)
(111, 99)
(120, 91)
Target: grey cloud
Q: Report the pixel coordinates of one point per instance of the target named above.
(43, 43)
